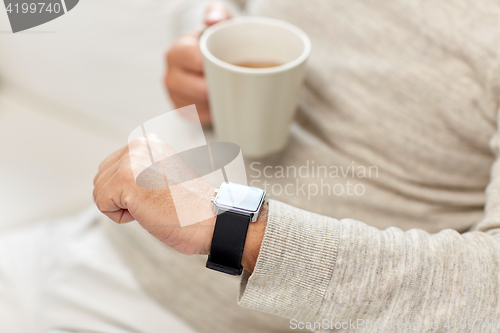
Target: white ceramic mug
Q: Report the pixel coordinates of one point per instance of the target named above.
(253, 107)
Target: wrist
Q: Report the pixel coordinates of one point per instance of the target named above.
(236, 240)
(208, 230)
(254, 238)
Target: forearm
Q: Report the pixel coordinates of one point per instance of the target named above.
(312, 267)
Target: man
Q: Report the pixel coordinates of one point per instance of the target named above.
(408, 88)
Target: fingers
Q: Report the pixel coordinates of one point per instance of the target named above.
(102, 177)
(110, 201)
(115, 189)
(185, 83)
(205, 117)
(216, 12)
(120, 216)
(185, 53)
(184, 79)
(185, 70)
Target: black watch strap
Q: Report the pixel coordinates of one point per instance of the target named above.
(228, 243)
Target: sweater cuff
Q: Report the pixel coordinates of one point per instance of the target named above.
(295, 263)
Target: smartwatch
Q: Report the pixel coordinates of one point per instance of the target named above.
(235, 206)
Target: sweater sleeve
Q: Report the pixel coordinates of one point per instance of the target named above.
(316, 269)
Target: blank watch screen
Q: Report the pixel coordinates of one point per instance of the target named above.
(240, 196)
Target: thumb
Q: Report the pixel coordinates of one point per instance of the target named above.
(216, 12)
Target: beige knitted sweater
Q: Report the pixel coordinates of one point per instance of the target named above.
(407, 91)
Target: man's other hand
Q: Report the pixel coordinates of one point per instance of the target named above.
(184, 79)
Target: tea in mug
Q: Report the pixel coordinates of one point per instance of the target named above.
(258, 64)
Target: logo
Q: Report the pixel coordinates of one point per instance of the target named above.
(168, 153)
(26, 14)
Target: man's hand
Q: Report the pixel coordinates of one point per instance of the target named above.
(117, 195)
(184, 78)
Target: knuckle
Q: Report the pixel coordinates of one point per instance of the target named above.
(169, 82)
(202, 92)
(128, 200)
(120, 176)
(177, 49)
(95, 192)
(198, 62)
(170, 56)
(139, 158)
(99, 202)
(136, 144)
(123, 177)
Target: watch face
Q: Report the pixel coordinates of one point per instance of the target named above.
(240, 197)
